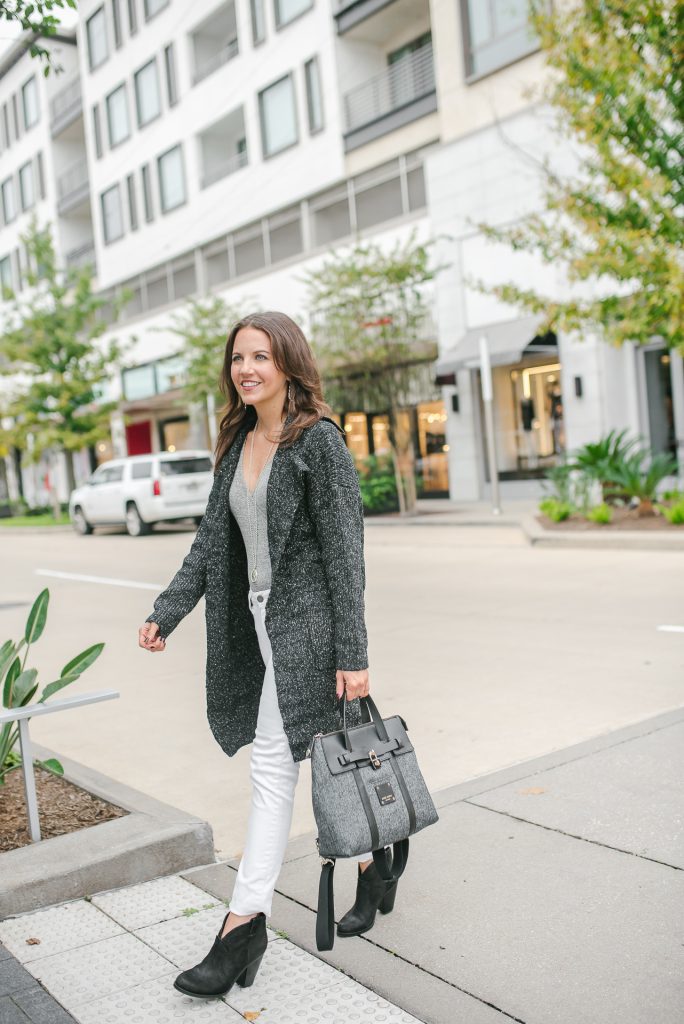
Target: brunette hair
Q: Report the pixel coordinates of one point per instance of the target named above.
(292, 355)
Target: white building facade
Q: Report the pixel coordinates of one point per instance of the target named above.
(228, 147)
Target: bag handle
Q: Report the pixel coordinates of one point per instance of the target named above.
(369, 712)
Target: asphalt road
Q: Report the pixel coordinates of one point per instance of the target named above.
(494, 652)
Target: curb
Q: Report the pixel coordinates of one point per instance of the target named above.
(153, 839)
(620, 540)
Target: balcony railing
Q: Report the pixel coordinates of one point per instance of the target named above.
(223, 169)
(401, 84)
(81, 256)
(72, 185)
(66, 106)
(210, 65)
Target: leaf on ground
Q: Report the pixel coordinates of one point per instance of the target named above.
(251, 1014)
(33, 942)
(532, 791)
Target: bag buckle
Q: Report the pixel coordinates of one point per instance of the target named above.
(374, 759)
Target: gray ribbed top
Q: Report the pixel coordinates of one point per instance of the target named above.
(252, 521)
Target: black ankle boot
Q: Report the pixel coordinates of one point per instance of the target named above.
(235, 957)
(373, 893)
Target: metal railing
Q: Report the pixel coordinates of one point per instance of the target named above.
(223, 169)
(22, 716)
(81, 255)
(73, 183)
(65, 105)
(212, 63)
(403, 82)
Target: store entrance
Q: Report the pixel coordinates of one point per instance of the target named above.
(539, 420)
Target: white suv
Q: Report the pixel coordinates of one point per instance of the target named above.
(142, 490)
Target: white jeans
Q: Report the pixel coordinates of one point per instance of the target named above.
(274, 777)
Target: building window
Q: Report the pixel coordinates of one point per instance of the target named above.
(330, 215)
(287, 10)
(112, 214)
(96, 34)
(117, 116)
(27, 192)
(495, 34)
(285, 234)
(147, 193)
(9, 208)
(6, 273)
(132, 204)
(116, 22)
(314, 98)
(97, 131)
(171, 179)
(29, 100)
(256, 8)
(248, 246)
(153, 7)
(278, 116)
(378, 195)
(6, 139)
(132, 17)
(170, 68)
(15, 117)
(147, 99)
(41, 175)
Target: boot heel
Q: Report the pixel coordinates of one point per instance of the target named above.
(249, 974)
(387, 903)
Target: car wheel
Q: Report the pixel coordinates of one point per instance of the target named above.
(135, 526)
(80, 523)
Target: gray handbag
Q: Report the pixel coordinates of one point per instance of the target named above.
(368, 794)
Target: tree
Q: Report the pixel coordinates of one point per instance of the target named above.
(616, 86)
(203, 326)
(37, 17)
(369, 316)
(49, 350)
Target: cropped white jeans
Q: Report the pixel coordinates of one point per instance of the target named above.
(274, 776)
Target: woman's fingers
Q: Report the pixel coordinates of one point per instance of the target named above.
(353, 684)
(149, 639)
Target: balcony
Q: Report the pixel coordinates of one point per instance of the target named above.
(81, 256)
(73, 187)
(222, 148)
(213, 43)
(65, 106)
(402, 93)
(349, 13)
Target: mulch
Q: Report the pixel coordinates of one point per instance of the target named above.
(623, 519)
(62, 807)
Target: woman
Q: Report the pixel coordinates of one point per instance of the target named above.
(279, 558)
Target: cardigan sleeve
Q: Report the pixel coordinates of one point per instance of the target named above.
(188, 585)
(336, 509)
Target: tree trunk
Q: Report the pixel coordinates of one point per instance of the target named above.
(71, 475)
(399, 482)
(403, 443)
(54, 498)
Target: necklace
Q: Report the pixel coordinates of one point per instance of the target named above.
(252, 501)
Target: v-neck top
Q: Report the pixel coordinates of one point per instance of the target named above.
(249, 509)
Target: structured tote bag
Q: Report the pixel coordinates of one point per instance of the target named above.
(368, 794)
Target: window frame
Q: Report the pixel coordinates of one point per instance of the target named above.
(314, 63)
(30, 81)
(470, 76)
(119, 88)
(116, 187)
(171, 75)
(9, 180)
(144, 67)
(257, 11)
(29, 206)
(160, 181)
(148, 16)
(290, 21)
(266, 155)
(99, 12)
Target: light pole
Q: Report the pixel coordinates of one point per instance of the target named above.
(487, 400)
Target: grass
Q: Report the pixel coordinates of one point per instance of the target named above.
(42, 520)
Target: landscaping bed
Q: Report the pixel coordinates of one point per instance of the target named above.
(62, 807)
(622, 519)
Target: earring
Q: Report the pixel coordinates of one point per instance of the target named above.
(289, 391)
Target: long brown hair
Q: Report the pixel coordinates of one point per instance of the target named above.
(292, 355)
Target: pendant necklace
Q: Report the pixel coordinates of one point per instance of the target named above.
(252, 501)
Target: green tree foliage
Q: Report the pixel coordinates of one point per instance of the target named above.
(37, 17)
(369, 314)
(49, 349)
(616, 82)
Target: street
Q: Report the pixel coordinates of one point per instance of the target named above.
(494, 652)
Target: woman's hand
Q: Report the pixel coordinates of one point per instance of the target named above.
(355, 683)
(148, 638)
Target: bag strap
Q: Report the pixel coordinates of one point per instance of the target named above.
(325, 916)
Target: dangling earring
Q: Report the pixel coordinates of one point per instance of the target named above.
(289, 391)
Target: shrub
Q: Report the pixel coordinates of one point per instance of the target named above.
(378, 485)
(600, 513)
(556, 510)
(674, 513)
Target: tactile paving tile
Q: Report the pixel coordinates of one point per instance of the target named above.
(155, 901)
(156, 1002)
(58, 928)
(102, 968)
(186, 940)
(294, 987)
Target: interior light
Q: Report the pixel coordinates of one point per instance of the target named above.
(171, 448)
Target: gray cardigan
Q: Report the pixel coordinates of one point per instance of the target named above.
(315, 615)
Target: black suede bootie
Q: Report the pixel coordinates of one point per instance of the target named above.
(235, 957)
(373, 893)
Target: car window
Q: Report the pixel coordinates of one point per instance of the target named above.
(112, 474)
(141, 470)
(178, 467)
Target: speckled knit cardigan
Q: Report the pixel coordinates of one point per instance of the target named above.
(315, 611)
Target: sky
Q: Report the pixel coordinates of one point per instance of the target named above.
(10, 30)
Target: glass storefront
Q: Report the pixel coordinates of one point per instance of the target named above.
(538, 420)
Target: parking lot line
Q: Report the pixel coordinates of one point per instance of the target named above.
(108, 580)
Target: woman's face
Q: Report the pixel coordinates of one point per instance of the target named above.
(255, 376)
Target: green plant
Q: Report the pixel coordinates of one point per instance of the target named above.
(602, 513)
(378, 484)
(559, 480)
(556, 510)
(674, 495)
(20, 684)
(638, 476)
(674, 513)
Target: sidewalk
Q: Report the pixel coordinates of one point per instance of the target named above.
(548, 893)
